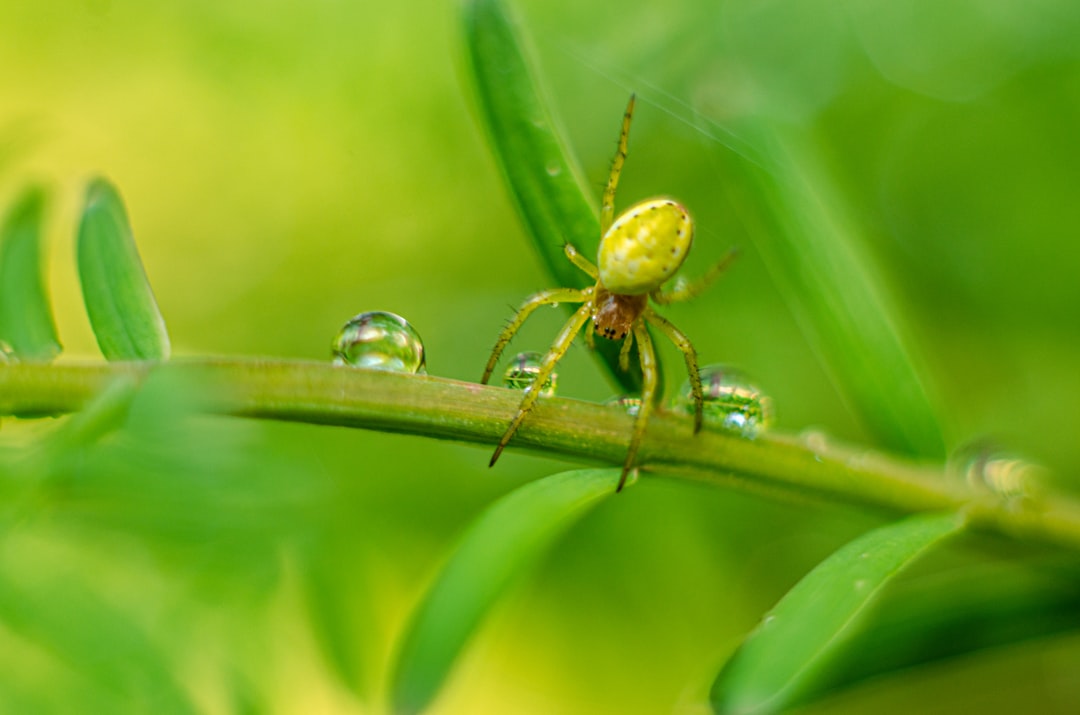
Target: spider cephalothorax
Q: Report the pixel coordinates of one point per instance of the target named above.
(638, 253)
(614, 314)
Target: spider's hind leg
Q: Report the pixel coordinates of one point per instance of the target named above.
(691, 289)
(607, 206)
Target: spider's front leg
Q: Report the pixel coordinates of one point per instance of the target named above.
(546, 297)
(547, 366)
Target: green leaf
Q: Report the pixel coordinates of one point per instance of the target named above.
(812, 245)
(121, 306)
(94, 637)
(956, 613)
(508, 537)
(785, 655)
(336, 588)
(104, 414)
(546, 182)
(26, 322)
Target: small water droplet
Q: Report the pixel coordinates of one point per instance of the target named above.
(815, 439)
(380, 341)
(732, 402)
(861, 584)
(554, 169)
(7, 353)
(522, 372)
(987, 466)
(631, 404)
(767, 620)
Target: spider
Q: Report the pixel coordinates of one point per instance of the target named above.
(639, 252)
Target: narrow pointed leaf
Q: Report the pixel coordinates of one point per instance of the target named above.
(784, 656)
(547, 184)
(955, 614)
(812, 245)
(119, 301)
(26, 321)
(498, 547)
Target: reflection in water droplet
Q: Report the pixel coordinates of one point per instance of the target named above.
(732, 402)
(984, 465)
(631, 404)
(7, 353)
(522, 372)
(379, 341)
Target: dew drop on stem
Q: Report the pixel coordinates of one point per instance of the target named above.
(379, 340)
(522, 371)
(732, 402)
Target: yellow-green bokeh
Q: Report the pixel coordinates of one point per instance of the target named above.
(287, 165)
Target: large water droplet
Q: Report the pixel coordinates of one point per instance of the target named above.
(7, 353)
(987, 466)
(631, 404)
(522, 372)
(732, 402)
(379, 341)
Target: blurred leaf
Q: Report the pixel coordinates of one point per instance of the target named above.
(785, 655)
(547, 185)
(811, 245)
(119, 301)
(501, 544)
(26, 321)
(211, 495)
(106, 412)
(96, 639)
(338, 608)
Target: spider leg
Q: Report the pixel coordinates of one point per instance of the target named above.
(547, 366)
(547, 297)
(648, 391)
(692, 289)
(607, 207)
(624, 353)
(589, 339)
(581, 261)
(683, 344)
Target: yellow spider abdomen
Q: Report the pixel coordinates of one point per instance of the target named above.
(644, 247)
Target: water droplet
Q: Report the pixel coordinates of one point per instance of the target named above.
(522, 372)
(732, 402)
(987, 466)
(379, 341)
(7, 353)
(554, 169)
(631, 404)
(815, 439)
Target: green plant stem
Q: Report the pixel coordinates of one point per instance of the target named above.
(320, 393)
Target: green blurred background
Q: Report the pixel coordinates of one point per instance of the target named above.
(289, 164)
